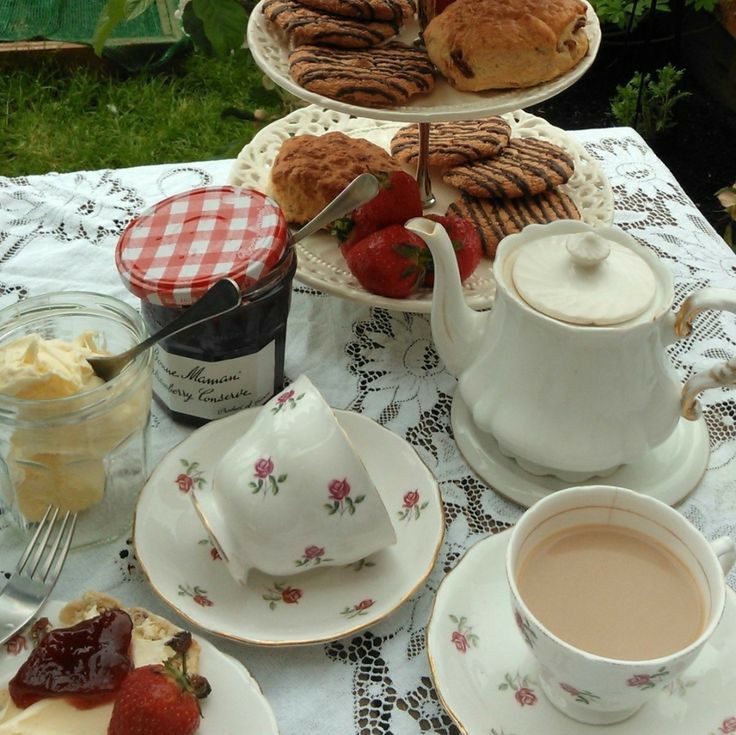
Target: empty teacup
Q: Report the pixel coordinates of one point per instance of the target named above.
(292, 493)
(615, 593)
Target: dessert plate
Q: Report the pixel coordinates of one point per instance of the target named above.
(271, 53)
(236, 697)
(669, 472)
(485, 675)
(320, 262)
(322, 604)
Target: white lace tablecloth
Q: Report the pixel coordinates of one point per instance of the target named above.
(58, 231)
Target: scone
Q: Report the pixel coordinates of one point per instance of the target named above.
(496, 44)
(310, 171)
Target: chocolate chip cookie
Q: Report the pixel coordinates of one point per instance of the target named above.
(496, 218)
(526, 166)
(385, 76)
(304, 26)
(453, 143)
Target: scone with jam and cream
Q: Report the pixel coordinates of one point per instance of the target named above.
(71, 685)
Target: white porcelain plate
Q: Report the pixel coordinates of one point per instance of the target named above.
(319, 605)
(236, 697)
(320, 263)
(485, 675)
(443, 103)
(669, 472)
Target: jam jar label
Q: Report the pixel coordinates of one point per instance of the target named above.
(211, 390)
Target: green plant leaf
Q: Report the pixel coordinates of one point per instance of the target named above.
(224, 23)
(113, 13)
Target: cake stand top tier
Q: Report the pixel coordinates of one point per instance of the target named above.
(271, 53)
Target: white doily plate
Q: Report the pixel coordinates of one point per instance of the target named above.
(322, 604)
(236, 696)
(320, 263)
(443, 103)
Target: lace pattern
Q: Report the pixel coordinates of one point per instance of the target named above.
(59, 232)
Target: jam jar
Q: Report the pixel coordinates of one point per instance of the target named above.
(171, 255)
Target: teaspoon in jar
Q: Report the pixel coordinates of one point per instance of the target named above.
(225, 295)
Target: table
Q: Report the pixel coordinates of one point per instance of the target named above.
(58, 231)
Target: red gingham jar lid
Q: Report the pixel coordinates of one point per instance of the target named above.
(175, 250)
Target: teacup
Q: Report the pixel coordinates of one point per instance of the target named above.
(292, 493)
(654, 559)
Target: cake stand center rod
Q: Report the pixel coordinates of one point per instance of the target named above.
(423, 179)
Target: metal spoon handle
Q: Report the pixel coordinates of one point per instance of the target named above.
(221, 298)
(359, 191)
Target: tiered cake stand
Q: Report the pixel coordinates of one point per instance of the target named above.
(320, 263)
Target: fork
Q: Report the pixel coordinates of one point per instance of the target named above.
(36, 573)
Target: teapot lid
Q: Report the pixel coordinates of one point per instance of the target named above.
(583, 278)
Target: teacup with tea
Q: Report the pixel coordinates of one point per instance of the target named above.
(615, 593)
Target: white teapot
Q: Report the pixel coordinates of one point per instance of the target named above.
(568, 371)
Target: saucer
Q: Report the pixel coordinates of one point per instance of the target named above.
(235, 697)
(323, 604)
(669, 472)
(486, 676)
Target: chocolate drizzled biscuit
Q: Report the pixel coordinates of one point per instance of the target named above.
(496, 218)
(395, 10)
(303, 26)
(453, 143)
(385, 76)
(525, 167)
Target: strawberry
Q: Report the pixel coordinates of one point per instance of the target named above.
(397, 201)
(390, 262)
(160, 699)
(466, 242)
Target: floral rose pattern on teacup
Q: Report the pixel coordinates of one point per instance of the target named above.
(359, 608)
(339, 494)
(463, 637)
(728, 726)
(313, 555)
(191, 476)
(647, 681)
(525, 629)
(280, 592)
(581, 695)
(287, 399)
(524, 694)
(411, 507)
(264, 479)
(214, 553)
(197, 594)
(16, 645)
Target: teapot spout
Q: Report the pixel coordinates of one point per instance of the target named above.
(456, 328)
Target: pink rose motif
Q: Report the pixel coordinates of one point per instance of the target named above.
(263, 468)
(202, 600)
(364, 605)
(639, 680)
(284, 397)
(525, 696)
(16, 644)
(185, 483)
(215, 554)
(460, 641)
(314, 552)
(339, 489)
(570, 689)
(411, 498)
(728, 725)
(291, 595)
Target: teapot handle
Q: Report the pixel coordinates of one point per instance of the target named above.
(723, 373)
